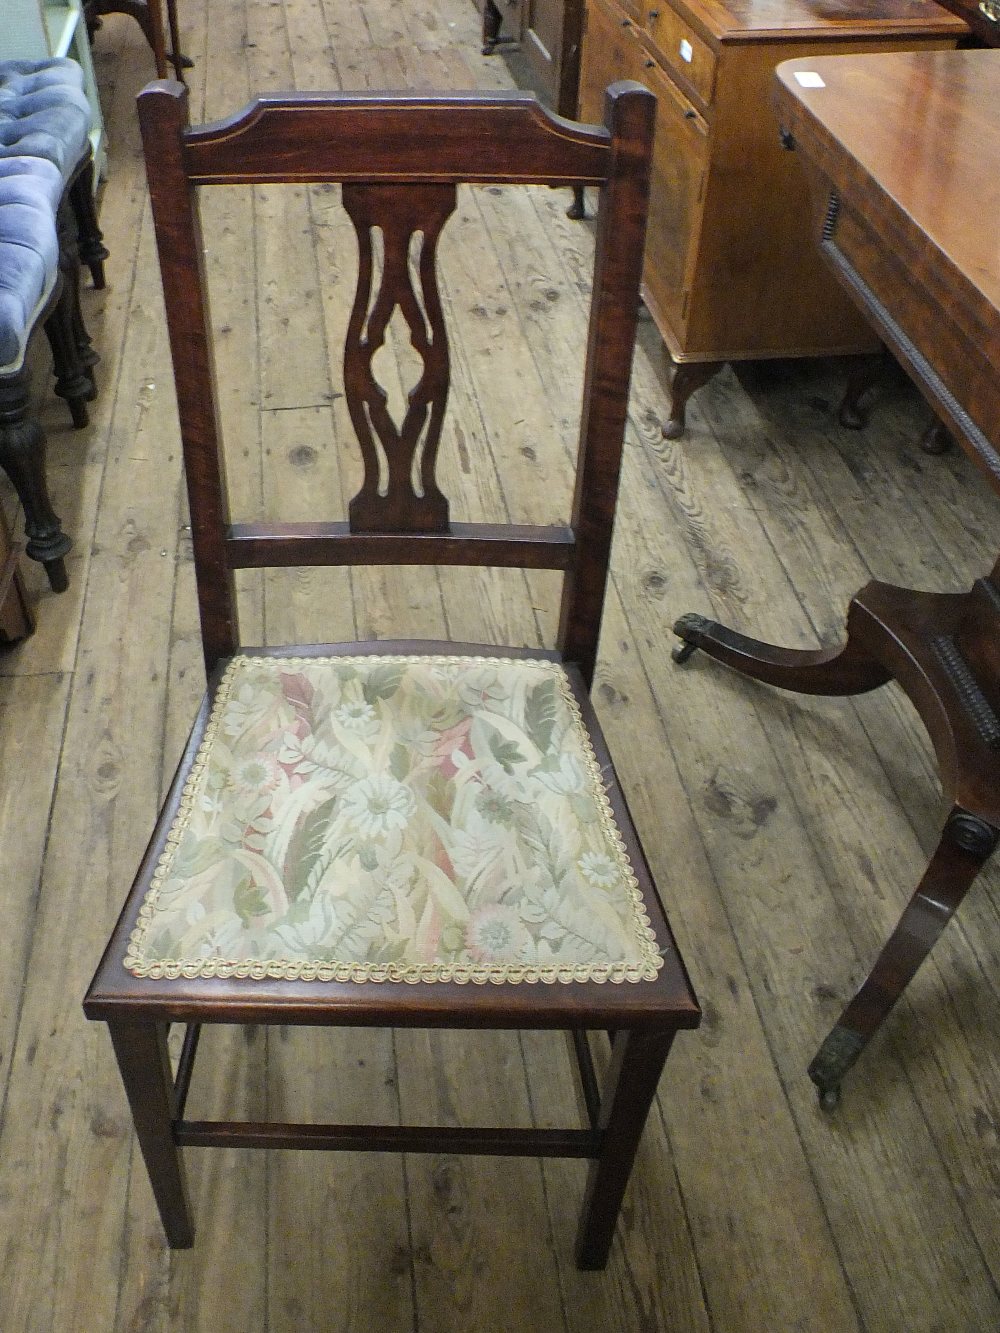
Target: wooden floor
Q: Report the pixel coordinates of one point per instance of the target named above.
(785, 833)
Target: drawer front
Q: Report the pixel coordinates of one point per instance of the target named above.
(676, 202)
(611, 51)
(680, 48)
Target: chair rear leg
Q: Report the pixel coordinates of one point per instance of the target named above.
(966, 843)
(144, 1062)
(630, 1083)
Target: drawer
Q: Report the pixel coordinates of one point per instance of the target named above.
(680, 48)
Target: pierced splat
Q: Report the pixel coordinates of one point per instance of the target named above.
(399, 492)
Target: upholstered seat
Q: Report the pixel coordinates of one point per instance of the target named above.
(380, 817)
(46, 201)
(44, 113)
(30, 190)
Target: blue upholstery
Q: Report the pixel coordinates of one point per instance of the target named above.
(44, 112)
(30, 189)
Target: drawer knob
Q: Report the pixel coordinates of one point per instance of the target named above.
(655, 13)
(650, 64)
(690, 113)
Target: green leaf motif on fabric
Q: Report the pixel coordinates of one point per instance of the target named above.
(422, 818)
(505, 753)
(540, 714)
(382, 683)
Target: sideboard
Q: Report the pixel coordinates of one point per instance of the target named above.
(731, 270)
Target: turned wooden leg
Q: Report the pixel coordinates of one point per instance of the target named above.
(22, 457)
(687, 378)
(637, 1060)
(144, 1062)
(578, 208)
(180, 62)
(492, 20)
(847, 669)
(92, 249)
(73, 354)
(966, 843)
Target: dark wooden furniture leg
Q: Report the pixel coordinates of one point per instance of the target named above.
(141, 1050)
(73, 354)
(966, 844)
(864, 375)
(936, 439)
(688, 377)
(22, 457)
(149, 16)
(944, 650)
(492, 23)
(93, 251)
(637, 1060)
(578, 208)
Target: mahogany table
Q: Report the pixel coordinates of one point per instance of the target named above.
(903, 153)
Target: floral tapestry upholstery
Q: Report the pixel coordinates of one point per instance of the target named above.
(374, 818)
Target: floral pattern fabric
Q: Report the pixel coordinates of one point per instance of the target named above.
(375, 818)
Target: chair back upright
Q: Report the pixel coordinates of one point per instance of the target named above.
(399, 158)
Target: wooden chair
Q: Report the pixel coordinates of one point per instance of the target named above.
(345, 900)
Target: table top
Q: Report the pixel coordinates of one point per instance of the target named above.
(825, 20)
(909, 143)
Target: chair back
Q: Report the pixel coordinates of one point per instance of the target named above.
(399, 159)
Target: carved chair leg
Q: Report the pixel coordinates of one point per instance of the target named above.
(847, 669)
(93, 251)
(74, 382)
(637, 1060)
(144, 1062)
(966, 843)
(69, 265)
(22, 457)
(688, 377)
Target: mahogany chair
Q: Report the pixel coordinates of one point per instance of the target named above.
(344, 893)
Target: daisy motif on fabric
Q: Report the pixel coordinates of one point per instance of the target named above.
(496, 934)
(379, 805)
(599, 869)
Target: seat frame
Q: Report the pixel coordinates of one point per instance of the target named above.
(402, 179)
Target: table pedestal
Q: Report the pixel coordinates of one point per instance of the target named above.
(944, 650)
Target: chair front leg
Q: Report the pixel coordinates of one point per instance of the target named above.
(966, 843)
(144, 1062)
(630, 1083)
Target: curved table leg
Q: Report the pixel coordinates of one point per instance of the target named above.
(848, 669)
(966, 843)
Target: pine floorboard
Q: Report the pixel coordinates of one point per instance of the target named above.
(786, 833)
